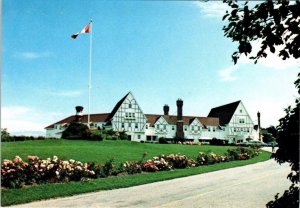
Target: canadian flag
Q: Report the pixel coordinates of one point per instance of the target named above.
(86, 29)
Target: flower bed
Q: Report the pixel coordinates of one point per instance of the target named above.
(17, 173)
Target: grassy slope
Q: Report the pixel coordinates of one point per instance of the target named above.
(99, 152)
(46, 191)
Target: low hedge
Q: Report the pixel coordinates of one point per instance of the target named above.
(17, 173)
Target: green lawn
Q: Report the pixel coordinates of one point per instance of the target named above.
(100, 152)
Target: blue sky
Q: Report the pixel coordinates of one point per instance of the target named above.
(158, 50)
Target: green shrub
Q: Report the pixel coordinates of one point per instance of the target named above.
(76, 131)
(162, 140)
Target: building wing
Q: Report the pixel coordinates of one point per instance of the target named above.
(224, 112)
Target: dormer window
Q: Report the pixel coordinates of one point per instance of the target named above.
(129, 105)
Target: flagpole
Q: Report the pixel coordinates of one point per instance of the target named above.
(90, 73)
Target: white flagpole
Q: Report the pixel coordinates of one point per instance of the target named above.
(90, 73)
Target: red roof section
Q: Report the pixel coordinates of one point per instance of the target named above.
(100, 117)
(187, 120)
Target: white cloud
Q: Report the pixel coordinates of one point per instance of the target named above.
(24, 119)
(226, 74)
(29, 55)
(272, 61)
(212, 9)
(67, 93)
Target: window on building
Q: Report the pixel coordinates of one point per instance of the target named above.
(139, 136)
(122, 126)
(185, 129)
(241, 111)
(148, 138)
(234, 129)
(136, 125)
(214, 128)
(242, 120)
(146, 127)
(165, 127)
(129, 115)
(129, 124)
(133, 115)
(193, 128)
(208, 128)
(154, 138)
(173, 128)
(129, 105)
(126, 114)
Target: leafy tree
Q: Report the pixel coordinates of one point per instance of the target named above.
(276, 26)
(267, 137)
(4, 135)
(272, 23)
(272, 130)
(288, 143)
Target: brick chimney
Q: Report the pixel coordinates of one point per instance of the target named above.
(79, 115)
(179, 123)
(166, 110)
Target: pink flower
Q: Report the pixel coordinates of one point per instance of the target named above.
(17, 159)
(6, 162)
(31, 157)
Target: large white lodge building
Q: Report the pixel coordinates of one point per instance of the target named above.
(229, 122)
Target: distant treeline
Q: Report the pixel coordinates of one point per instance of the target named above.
(22, 138)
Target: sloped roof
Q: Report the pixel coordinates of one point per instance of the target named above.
(117, 106)
(187, 120)
(100, 117)
(224, 112)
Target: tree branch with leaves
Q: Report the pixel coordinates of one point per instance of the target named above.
(275, 24)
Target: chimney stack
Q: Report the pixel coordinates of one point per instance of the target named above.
(166, 110)
(79, 115)
(179, 123)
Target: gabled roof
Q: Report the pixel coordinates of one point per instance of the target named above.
(100, 117)
(187, 120)
(224, 112)
(117, 106)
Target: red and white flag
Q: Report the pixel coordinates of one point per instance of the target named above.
(86, 29)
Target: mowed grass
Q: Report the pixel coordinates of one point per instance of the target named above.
(99, 152)
(102, 151)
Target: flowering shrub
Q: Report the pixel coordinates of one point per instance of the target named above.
(149, 166)
(133, 167)
(242, 153)
(157, 164)
(210, 158)
(17, 173)
(179, 161)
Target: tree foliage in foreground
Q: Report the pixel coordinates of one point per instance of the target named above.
(275, 24)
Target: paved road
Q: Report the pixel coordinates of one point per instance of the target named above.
(248, 186)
